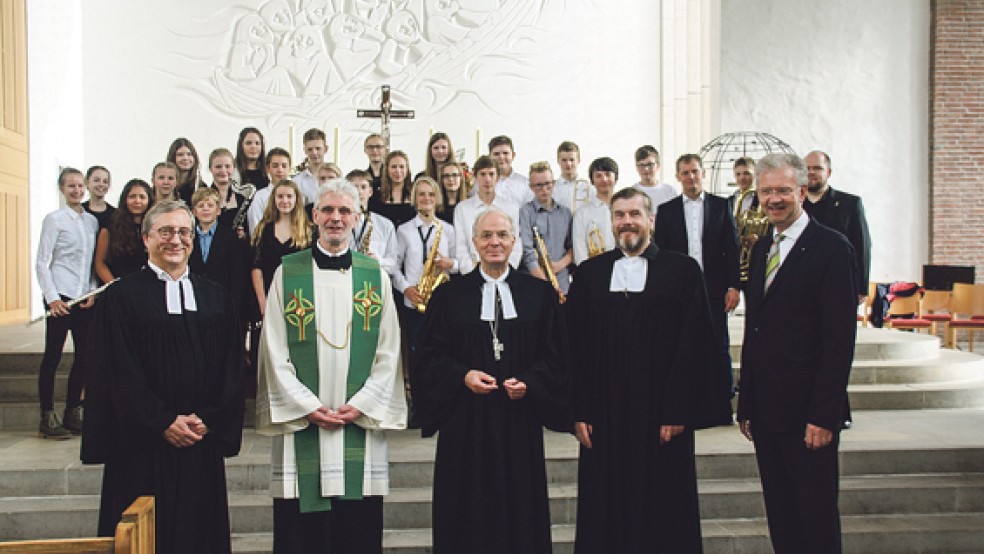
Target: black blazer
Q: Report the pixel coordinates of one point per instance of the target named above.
(226, 262)
(844, 212)
(799, 337)
(719, 243)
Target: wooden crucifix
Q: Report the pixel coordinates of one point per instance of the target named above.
(385, 113)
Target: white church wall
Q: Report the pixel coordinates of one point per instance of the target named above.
(850, 78)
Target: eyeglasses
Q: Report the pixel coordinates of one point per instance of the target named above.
(543, 184)
(342, 210)
(781, 192)
(451, 176)
(501, 235)
(167, 233)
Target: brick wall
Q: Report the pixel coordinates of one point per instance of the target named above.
(956, 134)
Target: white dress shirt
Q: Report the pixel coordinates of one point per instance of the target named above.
(411, 251)
(307, 183)
(573, 194)
(693, 218)
(592, 213)
(658, 194)
(791, 235)
(255, 211)
(515, 188)
(65, 251)
(464, 219)
(382, 242)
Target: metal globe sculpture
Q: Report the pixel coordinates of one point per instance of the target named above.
(720, 153)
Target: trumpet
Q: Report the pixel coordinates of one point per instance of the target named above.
(544, 261)
(749, 222)
(596, 243)
(432, 277)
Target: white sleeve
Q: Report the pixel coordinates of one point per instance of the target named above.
(46, 251)
(461, 251)
(578, 237)
(399, 278)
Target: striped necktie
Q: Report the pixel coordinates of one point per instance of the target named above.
(772, 262)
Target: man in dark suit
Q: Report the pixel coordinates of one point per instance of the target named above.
(841, 212)
(700, 225)
(796, 359)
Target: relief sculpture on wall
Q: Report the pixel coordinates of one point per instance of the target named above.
(315, 58)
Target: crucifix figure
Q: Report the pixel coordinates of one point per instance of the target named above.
(385, 112)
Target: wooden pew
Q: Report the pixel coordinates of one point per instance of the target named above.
(134, 535)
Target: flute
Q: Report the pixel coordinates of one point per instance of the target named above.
(71, 303)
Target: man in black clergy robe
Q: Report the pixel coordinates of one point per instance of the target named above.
(164, 403)
(796, 358)
(491, 372)
(645, 377)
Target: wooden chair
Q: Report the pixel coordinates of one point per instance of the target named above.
(935, 307)
(903, 314)
(968, 301)
(134, 535)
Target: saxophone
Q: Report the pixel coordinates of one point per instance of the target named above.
(432, 277)
(749, 222)
(596, 243)
(248, 191)
(544, 261)
(366, 241)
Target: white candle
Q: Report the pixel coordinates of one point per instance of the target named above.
(336, 144)
(290, 141)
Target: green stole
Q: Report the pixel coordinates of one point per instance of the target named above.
(299, 311)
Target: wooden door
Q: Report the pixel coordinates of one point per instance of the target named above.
(15, 273)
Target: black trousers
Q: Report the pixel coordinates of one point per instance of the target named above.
(56, 330)
(351, 526)
(800, 488)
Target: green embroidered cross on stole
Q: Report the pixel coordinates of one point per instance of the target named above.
(302, 342)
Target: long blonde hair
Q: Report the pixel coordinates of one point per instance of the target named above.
(300, 226)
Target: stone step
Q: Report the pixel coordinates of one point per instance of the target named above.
(30, 466)
(918, 396)
(902, 534)
(948, 365)
(408, 508)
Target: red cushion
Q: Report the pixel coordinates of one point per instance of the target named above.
(908, 323)
(977, 317)
(937, 317)
(967, 323)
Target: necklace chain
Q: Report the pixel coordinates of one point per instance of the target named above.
(348, 335)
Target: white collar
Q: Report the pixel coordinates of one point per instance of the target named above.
(795, 230)
(419, 221)
(329, 254)
(687, 200)
(174, 288)
(629, 274)
(488, 296)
